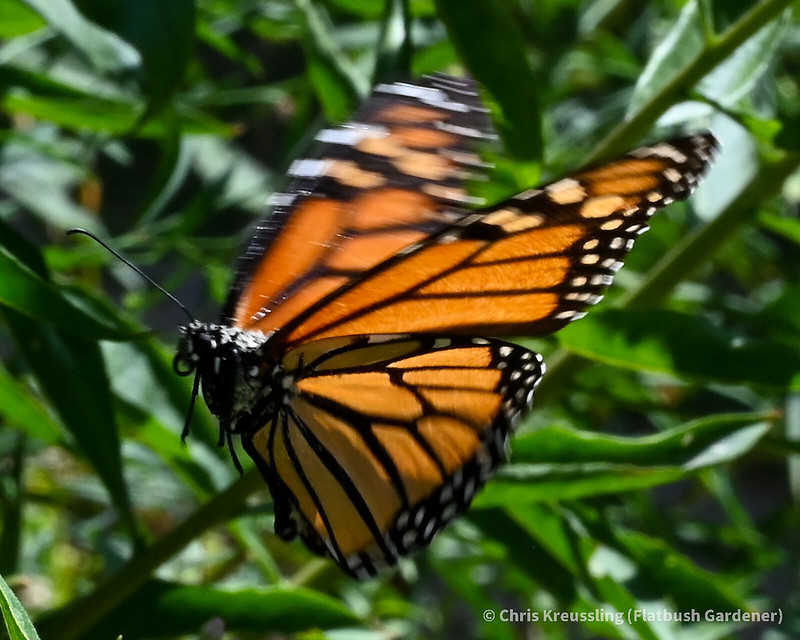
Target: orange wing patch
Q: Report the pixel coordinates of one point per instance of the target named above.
(382, 183)
(406, 113)
(384, 440)
(528, 266)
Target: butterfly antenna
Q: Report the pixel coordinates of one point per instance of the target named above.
(123, 259)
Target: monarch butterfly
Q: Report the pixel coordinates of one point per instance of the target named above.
(351, 358)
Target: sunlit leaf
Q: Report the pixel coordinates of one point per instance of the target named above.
(336, 81)
(23, 411)
(18, 624)
(29, 293)
(559, 464)
(679, 47)
(17, 19)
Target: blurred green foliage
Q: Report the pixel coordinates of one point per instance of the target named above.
(661, 467)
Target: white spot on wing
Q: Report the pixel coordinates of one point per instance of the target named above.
(616, 243)
(281, 199)
(352, 134)
(466, 132)
(662, 150)
(426, 95)
(308, 168)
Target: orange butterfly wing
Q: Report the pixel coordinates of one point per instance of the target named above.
(387, 179)
(528, 266)
(385, 439)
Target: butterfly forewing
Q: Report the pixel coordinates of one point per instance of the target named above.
(383, 440)
(527, 266)
(386, 180)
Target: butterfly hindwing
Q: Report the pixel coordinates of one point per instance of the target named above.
(383, 440)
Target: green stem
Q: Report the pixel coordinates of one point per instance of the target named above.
(696, 248)
(73, 621)
(717, 50)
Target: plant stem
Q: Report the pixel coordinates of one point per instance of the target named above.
(76, 619)
(628, 132)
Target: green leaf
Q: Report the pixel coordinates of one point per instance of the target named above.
(13, 494)
(21, 410)
(789, 228)
(337, 83)
(41, 179)
(162, 32)
(562, 464)
(684, 346)
(487, 35)
(689, 587)
(25, 286)
(725, 13)
(616, 566)
(142, 375)
(370, 9)
(106, 51)
(541, 562)
(175, 610)
(16, 19)
(673, 54)
(788, 137)
(104, 115)
(18, 624)
(555, 534)
(679, 447)
(734, 79)
(24, 291)
(71, 373)
(22, 251)
(394, 48)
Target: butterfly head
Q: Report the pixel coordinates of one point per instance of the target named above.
(237, 378)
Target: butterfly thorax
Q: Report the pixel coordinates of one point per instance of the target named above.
(242, 386)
